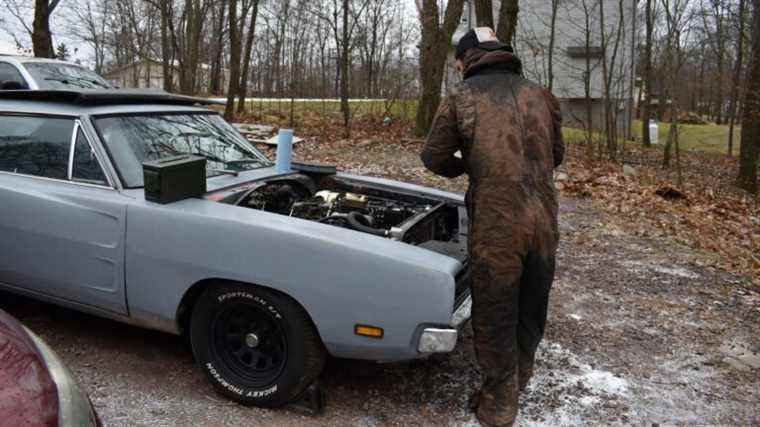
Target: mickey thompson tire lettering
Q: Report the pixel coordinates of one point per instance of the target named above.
(237, 390)
(298, 363)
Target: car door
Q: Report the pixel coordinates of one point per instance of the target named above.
(62, 224)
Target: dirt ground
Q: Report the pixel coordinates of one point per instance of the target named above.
(641, 330)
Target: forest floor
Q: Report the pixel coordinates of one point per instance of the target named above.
(653, 316)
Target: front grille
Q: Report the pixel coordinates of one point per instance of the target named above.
(463, 280)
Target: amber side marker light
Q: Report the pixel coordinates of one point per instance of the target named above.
(368, 331)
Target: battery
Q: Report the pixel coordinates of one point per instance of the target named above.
(171, 179)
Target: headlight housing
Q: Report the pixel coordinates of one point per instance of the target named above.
(74, 407)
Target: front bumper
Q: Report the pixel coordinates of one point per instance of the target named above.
(443, 340)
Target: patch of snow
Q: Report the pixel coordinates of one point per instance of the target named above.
(604, 381)
(574, 316)
(662, 269)
(676, 271)
(576, 387)
(369, 421)
(739, 356)
(472, 421)
(589, 400)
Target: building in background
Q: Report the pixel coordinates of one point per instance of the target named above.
(149, 74)
(574, 65)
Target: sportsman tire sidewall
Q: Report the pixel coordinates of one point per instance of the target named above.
(305, 352)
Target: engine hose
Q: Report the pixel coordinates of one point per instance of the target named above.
(334, 217)
(359, 222)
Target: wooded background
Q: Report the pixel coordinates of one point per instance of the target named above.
(695, 58)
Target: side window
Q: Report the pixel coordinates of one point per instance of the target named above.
(36, 146)
(9, 75)
(86, 167)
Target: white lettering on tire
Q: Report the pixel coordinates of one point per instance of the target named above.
(245, 295)
(239, 390)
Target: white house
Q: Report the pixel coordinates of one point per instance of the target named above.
(574, 20)
(149, 74)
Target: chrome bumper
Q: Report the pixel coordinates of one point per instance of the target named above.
(443, 340)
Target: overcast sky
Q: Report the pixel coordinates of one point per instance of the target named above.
(9, 26)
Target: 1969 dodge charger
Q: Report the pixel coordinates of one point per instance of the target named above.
(102, 209)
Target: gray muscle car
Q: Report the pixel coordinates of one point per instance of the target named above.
(265, 272)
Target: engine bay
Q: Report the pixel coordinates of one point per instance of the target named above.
(373, 210)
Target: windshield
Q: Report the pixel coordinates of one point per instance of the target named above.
(134, 139)
(55, 75)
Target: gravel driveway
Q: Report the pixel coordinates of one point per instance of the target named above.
(640, 331)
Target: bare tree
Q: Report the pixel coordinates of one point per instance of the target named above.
(647, 74)
(484, 13)
(508, 21)
(187, 37)
(344, 107)
(88, 21)
(609, 61)
(435, 44)
(217, 45)
(39, 29)
(750, 144)
(737, 83)
(678, 24)
(243, 87)
(552, 42)
(235, 53)
(42, 38)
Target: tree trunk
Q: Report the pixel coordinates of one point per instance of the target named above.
(647, 76)
(750, 144)
(42, 39)
(552, 40)
(166, 57)
(484, 13)
(196, 16)
(243, 89)
(434, 47)
(737, 78)
(672, 135)
(508, 21)
(235, 52)
(720, 60)
(344, 77)
(215, 81)
(701, 89)
(587, 82)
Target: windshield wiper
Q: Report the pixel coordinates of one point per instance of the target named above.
(246, 161)
(66, 81)
(77, 81)
(225, 172)
(95, 82)
(217, 160)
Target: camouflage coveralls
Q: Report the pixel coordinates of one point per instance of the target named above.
(509, 132)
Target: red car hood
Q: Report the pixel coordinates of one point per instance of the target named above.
(28, 395)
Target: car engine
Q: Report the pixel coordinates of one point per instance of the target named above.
(365, 213)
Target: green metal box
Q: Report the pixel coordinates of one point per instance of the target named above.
(172, 179)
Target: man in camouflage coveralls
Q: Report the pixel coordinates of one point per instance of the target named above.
(509, 133)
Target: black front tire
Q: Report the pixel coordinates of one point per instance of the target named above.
(256, 346)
